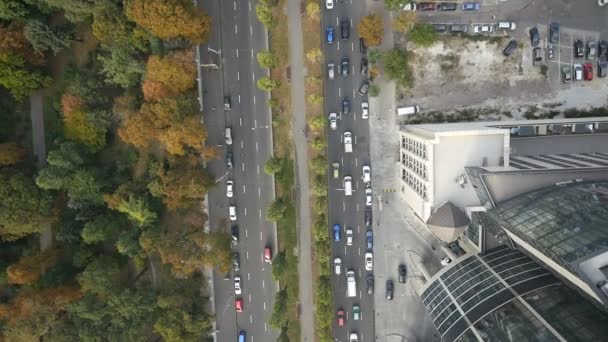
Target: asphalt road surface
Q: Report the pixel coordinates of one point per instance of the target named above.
(236, 38)
(348, 211)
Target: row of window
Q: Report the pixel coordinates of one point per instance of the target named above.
(416, 147)
(414, 183)
(414, 164)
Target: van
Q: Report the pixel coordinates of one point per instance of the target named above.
(348, 186)
(506, 25)
(408, 110)
(228, 135)
(351, 284)
(242, 336)
(232, 212)
(331, 67)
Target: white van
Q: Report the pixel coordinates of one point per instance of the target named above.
(348, 186)
(232, 212)
(506, 25)
(408, 110)
(228, 135)
(351, 284)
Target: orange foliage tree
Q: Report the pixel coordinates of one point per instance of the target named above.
(154, 90)
(170, 18)
(371, 29)
(11, 154)
(30, 268)
(176, 71)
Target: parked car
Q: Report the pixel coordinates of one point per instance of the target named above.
(471, 6)
(566, 74)
(267, 255)
(329, 32)
(336, 232)
(425, 6)
(447, 6)
(483, 28)
(368, 217)
(364, 110)
(446, 261)
(333, 121)
(369, 261)
(440, 27)
(329, 4)
(349, 236)
(368, 197)
(229, 160)
(238, 305)
(602, 49)
(389, 289)
(537, 57)
(232, 212)
(458, 28)
(588, 71)
(227, 103)
(353, 337)
(511, 47)
(331, 71)
(345, 66)
(591, 49)
(402, 273)
(602, 68)
(506, 25)
(356, 312)
(362, 47)
(370, 284)
(236, 261)
(235, 234)
(345, 29)
(364, 66)
(534, 36)
(336, 170)
(364, 88)
(237, 285)
(367, 174)
(579, 50)
(337, 265)
(345, 105)
(340, 317)
(554, 33)
(550, 54)
(410, 6)
(578, 72)
(369, 239)
(229, 188)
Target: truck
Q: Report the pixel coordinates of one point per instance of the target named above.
(348, 142)
(351, 284)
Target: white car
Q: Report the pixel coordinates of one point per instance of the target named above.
(483, 28)
(353, 337)
(445, 261)
(364, 110)
(410, 6)
(237, 285)
(329, 4)
(578, 72)
(368, 197)
(333, 121)
(367, 174)
(338, 266)
(602, 2)
(232, 212)
(349, 237)
(229, 187)
(228, 134)
(369, 261)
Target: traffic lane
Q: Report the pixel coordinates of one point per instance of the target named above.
(225, 313)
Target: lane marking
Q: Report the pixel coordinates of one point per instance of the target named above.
(251, 322)
(237, 53)
(339, 91)
(247, 252)
(244, 189)
(256, 146)
(250, 30)
(259, 193)
(343, 205)
(258, 167)
(353, 46)
(249, 278)
(241, 143)
(235, 5)
(236, 29)
(238, 76)
(251, 53)
(243, 166)
(265, 328)
(245, 211)
(239, 98)
(357, 211)
(250, 293)
(264, 310)
(338, 46)
(260, 220)
(356, 160)
(252, 74)
(337, 21)
(261, 237)
(249, 6)
(263, 282)
(253, 99)
(241, 122)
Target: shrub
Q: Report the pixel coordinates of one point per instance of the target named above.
(423, 34)
(397, 68)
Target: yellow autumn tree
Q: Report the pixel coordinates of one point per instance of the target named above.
(176, 72)
(80, 126)
(371, 29)
(30, 268)
(11, 154)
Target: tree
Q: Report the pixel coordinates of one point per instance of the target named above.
(11, 154)
(211, 153)
(278, 318)
(317, 123)
(182, 317)
(170, 19)
(120, 67)
(176, 72)
(273, 165)
(103, 227)
(266, 59)
(314, 55)
(30, 268)
(397, 68)
(17, 78)
(129, 200)
(12, 9)
(112, 28)
(24, 208)
(319, 187)
(276, 210)
(128, 243)
(319, 144)
(394, 5)
(371, 29)
(267, 84)
(319, 164)
(404, 21)
(315, 99)
(100, 277)
(74, 10)
(423, 34)
(279, 264)
(313, 11)
(86, 127)
(44, 39)
(154, 90)
(374, 56)
(263, 11)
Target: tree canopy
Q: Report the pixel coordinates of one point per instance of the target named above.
(371, 28)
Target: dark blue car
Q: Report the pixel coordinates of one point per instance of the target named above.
(242, 336)
(330, 34)
(470, 6)
(336, 232)
(369, 239)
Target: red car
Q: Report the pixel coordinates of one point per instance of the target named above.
(340, 315)
(587, 71)
(268, 255)
(238, 304)
(425, 6)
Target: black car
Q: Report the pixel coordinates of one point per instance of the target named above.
(345, 29)
(363, 88)
(370, 284)
(389, 290)
(363, 66)
(447, 6)
(554, 33)
(579, 49)
(602, 68)
(440, 27)
(362, 46)
(602, 49)
(534, 36)
(537, 57)
(368, 217)
(591, 49)
(345, 105)
(236, 261)
(511, 47)
(235, 234)
(402, 273)
(226, 103)
(229, 160)
(458, 28)
(345, 66)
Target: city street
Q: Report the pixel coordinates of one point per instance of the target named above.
(230, 68)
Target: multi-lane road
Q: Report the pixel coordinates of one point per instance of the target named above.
(348, 211)
(230, 68)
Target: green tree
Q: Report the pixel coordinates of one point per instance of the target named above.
(103, 227)
(319, 144)
(12, 9)
(74, 10)
(319, 164)
(423, 34)
(374, 55)
(264, 13)
(317, 123)
(44, 39)
(394, 5)
(273, 165)
(266, 59)
(267, 84)
(397, 68)
(17, 78)
(100, 277)
(120, 67)
(179, 321)
(128, 242)
(276, 210)
(278, 318)
(138, 210)
(319, 187)
(279, 264)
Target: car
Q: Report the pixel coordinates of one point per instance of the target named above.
(238, 304)
(511, 47)
(602, 68)
(364, 88)
(368, 197)
(368, 217)
(329, 32)
(554, 33)
(446, 261)
(344, 66)
(235, 234)
(602, 2)
(364, 110)
(447, 6)
(337, 265)
(550, 53)
(236, 261)
(425, 6)
(340, 317)
(566, 74)
(229, 160)
(336, 232)
(336, 170)
(471, 6)
(229, 187)
(367, 174)
(587, 71)
(369, 261)
(242, 336)
(349, 236)
(534, 36)
(483, 28)
(237, 285)
(440, 27)
(227, 103)
(362, 47)
(232, 212)
(602, 49)
(537, 57)
(402, 273)
(591, 49)
(579, 48)
(333, 121)
(329, 4)
(370, 284)
(345, 29)
(389, 289)
(369, 239)
(364, 66)
(345, 105)
(356, 312)
(506, 25)
(410, 6)
(578, 72)
(331, 71)
(267, 255)
(228, 135)
(353, 337)
(458, 28)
